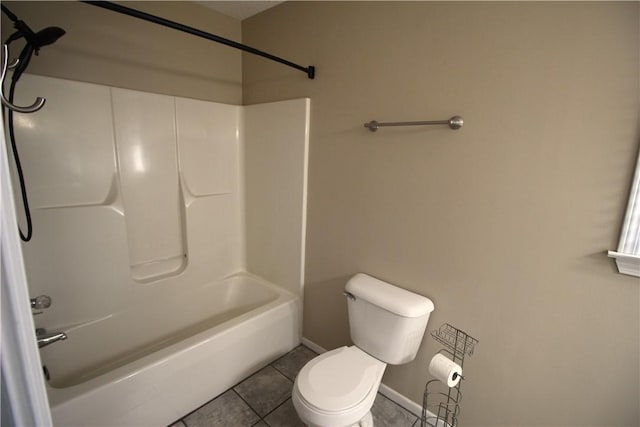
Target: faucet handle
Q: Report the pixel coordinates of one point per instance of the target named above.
(40, 302)
(45, 338)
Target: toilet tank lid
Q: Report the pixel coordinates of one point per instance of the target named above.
(389, 297)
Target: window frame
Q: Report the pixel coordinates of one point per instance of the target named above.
(627, 255)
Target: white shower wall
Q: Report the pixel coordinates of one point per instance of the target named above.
(138, 196)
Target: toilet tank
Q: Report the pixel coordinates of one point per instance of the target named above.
(385, 321)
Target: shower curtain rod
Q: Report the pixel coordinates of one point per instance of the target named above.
(310, 70)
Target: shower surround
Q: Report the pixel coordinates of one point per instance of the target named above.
(169, 233)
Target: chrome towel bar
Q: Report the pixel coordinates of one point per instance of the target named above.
(454, 123)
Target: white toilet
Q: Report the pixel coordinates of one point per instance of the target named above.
(337, 388)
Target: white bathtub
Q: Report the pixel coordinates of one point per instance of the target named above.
(149, 366)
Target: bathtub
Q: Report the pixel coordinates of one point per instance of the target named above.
(149, 366)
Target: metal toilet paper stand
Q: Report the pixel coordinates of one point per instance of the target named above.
(441, 404)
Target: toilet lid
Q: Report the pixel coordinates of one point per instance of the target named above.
(339, 379)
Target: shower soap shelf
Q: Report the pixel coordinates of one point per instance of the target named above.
(441, 404)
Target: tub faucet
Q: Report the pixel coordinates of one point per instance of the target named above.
(45, 338)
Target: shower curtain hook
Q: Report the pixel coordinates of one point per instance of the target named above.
(5, 65)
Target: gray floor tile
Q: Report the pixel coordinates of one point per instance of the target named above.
(228, 409)
(387, 413)
(265, 390)
(284, 416)
(291, 363)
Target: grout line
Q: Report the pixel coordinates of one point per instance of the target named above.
(276, 368)
(283, 374)
(182, 418)
(274, 409)
(247, 403)
(215, 397)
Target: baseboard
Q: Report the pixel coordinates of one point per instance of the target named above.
(386, 391)
(313, 346)
(401, 400)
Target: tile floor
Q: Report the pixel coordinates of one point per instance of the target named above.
(264, 399)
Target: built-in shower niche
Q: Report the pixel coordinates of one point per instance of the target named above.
(137, 197)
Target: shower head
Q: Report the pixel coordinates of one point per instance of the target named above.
(34, 41)
(37, 40)
(45, 37)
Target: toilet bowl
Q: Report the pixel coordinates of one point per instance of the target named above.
(338, 388)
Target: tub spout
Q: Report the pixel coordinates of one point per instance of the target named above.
(45, 338)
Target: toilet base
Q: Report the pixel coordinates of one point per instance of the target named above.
(366, 421)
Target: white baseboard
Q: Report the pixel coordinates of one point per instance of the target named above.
(401, 400)
(386, 391)
(313, 346)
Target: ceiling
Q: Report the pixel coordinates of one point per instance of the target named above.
(240, 9)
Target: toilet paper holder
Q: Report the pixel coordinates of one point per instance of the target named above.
(441, 404)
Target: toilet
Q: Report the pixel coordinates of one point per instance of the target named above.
(387, 323)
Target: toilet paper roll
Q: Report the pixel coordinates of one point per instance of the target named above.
(445, 370)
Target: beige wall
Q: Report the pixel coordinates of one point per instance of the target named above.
(505, 223)
(108, 48)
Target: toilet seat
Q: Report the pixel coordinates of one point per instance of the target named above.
(337, 387)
